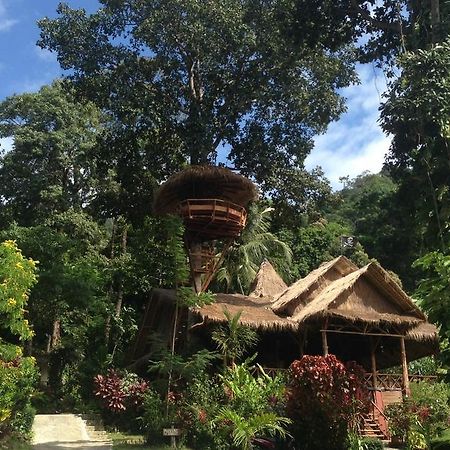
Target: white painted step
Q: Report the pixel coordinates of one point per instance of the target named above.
(63, 431)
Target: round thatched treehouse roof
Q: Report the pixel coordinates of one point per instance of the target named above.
(203, 182)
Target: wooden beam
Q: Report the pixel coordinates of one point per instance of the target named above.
(405, 377)
(364, 334)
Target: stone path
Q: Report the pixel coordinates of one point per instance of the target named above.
(64, 432)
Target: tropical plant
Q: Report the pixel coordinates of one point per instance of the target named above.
(245, 428)
(233, 339)
(325, 401)
(254, 406)
(255, 244)
(421, 418)
(18, 375)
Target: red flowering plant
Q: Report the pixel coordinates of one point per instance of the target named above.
(325, 398)
(120, 391)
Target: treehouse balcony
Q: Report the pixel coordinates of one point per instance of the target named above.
(211, 218)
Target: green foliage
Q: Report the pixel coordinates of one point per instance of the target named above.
(255, 244)
(253, 407)
(319, 242)
(244, 429)
(422, 417)
(17, 276)
(17, 386)
(433, 293)
(188, 298)
(233, 339)
(52, 163)
(232, 75)
(183, 369)
(153, 419)
(356, 442)
(417, 113)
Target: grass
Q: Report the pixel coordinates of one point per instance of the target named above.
(123, 441)
(14, 444)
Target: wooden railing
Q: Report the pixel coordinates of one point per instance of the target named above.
(394, 381)
(377, 406)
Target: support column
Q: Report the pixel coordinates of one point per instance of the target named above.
(373, 361)
(324, 339)
(405, 377)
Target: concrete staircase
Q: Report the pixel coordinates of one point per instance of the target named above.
(67, 431)
(94, 427)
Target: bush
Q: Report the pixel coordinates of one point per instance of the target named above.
(120, 393)
(17, 386)
(371, 444)
(423, 416)
(325, 400)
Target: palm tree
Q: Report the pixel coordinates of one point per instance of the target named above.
(255, 244)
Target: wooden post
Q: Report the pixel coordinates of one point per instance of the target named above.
(195, 260)
(373, 361)
(324, 339)
(405, 377)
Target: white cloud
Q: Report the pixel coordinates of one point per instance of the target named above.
(6, 23)
(356, 142)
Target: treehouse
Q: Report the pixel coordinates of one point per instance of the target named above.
(212, 202)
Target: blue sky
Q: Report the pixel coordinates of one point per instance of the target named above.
(352, 145)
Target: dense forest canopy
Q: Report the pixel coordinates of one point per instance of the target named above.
(154, 85)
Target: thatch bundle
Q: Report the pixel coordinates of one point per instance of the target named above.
(255, 312)
(362, 296)
(267, 282)
(203, 182)
(306, 289)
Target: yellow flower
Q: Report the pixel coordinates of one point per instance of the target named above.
(19, 265)
(11, 302)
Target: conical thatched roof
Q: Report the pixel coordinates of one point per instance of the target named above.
(267, 282)
(203, 182)
(306, 289)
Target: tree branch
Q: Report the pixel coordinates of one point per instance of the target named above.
(396, 27)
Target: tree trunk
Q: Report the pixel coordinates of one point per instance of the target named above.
(119, 300)
(111, 285)
(435, 20)
(56, 334)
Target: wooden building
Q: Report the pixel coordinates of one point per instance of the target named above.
(358, 314)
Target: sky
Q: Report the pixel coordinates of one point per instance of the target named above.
(351, 145)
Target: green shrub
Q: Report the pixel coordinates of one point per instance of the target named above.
(440, 445)
(17, 385)
(153, 418)
(371, 444)
(423, 416)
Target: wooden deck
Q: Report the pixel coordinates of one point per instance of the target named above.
(213, 218)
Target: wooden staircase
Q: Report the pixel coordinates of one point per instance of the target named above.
(371, 427)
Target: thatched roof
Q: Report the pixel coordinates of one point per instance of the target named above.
(424, 331)
(255, 312)
(368, 295)
(304, 290)
(267, 282)
(203, 182)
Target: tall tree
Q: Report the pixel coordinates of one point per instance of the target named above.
(417, 113)
(189, 77)
(52, 165)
